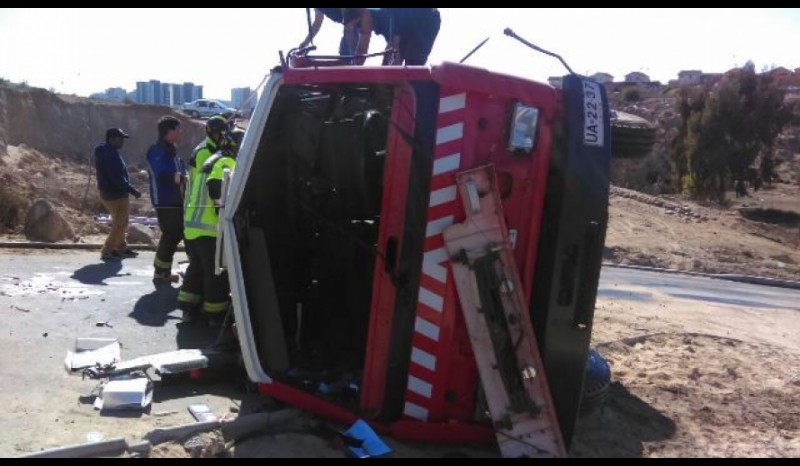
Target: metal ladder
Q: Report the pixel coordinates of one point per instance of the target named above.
(498, 322)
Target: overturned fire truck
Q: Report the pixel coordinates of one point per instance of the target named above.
(421, 248)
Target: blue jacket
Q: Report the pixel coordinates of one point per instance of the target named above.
(163, 162)
(112, 173)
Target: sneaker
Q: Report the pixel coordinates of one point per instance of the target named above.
(130, 253)
(108, 256)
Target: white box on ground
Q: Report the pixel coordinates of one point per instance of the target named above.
(202, 413)
(125, 394)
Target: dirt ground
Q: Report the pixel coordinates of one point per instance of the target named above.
(678, 234)
(695, 380)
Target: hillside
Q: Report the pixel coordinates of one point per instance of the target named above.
(46, 148)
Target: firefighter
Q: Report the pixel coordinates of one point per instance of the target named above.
(216, 127)
(167, 182)
(204, 293)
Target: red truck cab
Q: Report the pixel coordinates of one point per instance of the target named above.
(332, 231)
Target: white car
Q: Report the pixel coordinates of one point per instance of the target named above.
(205, 108)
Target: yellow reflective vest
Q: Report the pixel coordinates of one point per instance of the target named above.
(200, 216)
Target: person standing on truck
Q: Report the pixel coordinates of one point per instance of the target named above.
(346, 47)
(115, 186)
(205, 294)
(409, 32)
(167, 184)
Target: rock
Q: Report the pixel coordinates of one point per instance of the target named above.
(140, 234)
(44, 223)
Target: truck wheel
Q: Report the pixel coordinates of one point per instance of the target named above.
(195, 115)
(596, 384)
(632, 137)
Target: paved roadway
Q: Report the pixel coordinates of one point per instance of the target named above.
(697, 288)
(47, 299)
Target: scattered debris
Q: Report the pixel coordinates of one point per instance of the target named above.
(92, 352)
(206, 445)
(172, 362)
(103, 324)
(19, 308)
(123, 394)
(202, 413)
(363, 442)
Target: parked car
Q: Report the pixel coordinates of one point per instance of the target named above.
(204, 108)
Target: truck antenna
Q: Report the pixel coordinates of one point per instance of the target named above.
(474, 50)
(514, 35)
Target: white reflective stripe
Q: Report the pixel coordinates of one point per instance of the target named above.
(431, 264)
(428, 329)
(452, 103)
(154, 185)
(202, 226)
(436, 227)
(441, 196)
(426, 360)
(446, 164)
(449, 133)
(203, 200)
(415, 411)
(419, 386)
(430, 299)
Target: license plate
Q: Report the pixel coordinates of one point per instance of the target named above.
(592, 114)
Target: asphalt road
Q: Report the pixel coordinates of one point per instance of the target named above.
(49, 298)
(694, 288)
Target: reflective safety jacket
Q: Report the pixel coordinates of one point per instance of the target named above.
(202, 201)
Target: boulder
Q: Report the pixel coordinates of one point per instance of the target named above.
(140, 234)
(44, 223)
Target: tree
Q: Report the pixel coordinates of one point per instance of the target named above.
(724, 129)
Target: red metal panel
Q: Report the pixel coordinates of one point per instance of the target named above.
(395, 194)
(430, 369)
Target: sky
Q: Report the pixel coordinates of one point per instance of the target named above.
(82, 51)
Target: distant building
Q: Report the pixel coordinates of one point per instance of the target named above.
(602, 78)
(689, 77)
(192, 92)
(241, 98)
(176, 95)
(141, 92)
(710, 78)
(637, 77)
(116, 93)
(154, 92)
(556, 81)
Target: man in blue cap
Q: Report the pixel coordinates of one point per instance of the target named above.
(115, 186)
